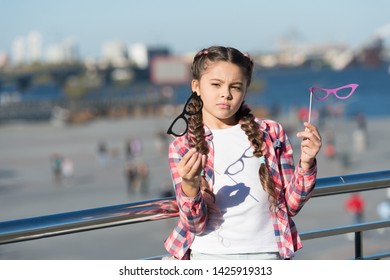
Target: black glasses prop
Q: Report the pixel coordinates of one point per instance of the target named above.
(179, 126)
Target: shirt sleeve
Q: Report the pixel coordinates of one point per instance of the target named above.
(192, 210)
(297, 183)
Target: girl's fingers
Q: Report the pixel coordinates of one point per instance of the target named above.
(190, 164)
(311, 133)
(313, 129)
(187, 157)
(311, 141)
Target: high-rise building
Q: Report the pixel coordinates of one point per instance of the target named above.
(65, 51)
(18, 51)
(115, 52)
(34, 46)
(138, 54)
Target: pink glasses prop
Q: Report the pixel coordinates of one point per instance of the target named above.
(342, 93)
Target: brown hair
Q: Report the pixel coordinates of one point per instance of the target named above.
(244, 115)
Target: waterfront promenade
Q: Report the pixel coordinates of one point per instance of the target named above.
(27, 187)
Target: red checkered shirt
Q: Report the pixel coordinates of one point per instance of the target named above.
(294, 187)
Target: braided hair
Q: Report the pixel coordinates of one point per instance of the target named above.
(244, 115)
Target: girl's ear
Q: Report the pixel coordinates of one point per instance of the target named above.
(195, 86)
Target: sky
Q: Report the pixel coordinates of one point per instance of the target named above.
(187, 26)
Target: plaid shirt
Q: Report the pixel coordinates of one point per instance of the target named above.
(294, 187)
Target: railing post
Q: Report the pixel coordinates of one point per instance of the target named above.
(358, 245)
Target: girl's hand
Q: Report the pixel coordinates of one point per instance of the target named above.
(189, 169)
(310, 145)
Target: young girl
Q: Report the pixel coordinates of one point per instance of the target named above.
(234, 176)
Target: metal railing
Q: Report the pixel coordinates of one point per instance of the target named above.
(151, 210)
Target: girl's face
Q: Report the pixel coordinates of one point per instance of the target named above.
(222, 87)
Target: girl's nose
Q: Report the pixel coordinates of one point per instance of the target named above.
(225, 93)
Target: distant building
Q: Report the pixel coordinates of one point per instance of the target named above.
(4, 60)
(372, 53)
(27, 49)
(141, 57)
(138, 55)
(169, 70)
(66, 51)
(18, 51)
(115, 53)
(34, 46)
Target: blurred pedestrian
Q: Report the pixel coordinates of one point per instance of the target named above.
(167, 190)
(330, 147)
(102, 152)
(360, 140)
(355, 205)
(128, 151)
(136, 147)
(143, 177)
(361, 121)
(360, 133)
(161, 142)
(67, 170)
(383, 210)
(133, 148)
(56, 167)
(131, 176)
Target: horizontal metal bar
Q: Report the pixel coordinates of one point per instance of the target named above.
(84, 220)
(344, 229)
(379, 256)
(352, 183)
(109, 216)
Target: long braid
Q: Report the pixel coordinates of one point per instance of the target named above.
(251, 129)
(196, 128)
(198, 141)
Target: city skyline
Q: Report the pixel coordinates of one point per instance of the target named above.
(185, 27)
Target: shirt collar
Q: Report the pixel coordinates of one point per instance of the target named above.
(209, 135)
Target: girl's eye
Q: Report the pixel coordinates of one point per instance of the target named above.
(215, 84)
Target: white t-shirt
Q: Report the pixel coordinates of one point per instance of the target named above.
(245, 224)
